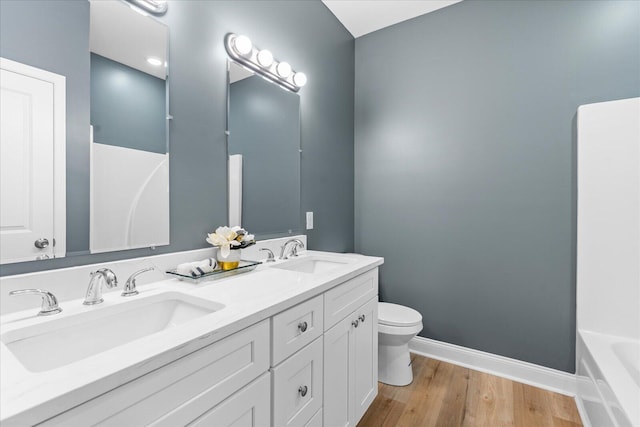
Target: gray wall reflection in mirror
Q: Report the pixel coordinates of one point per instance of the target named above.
(129, 150)
(264, 128)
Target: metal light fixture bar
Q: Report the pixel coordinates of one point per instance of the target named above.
(241, 50)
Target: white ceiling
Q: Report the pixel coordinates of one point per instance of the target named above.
(361, 17)
(119, 33)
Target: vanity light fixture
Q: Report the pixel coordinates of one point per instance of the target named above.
(262, 62)
(300, 79)
(242, 45)
(265, 58)
(283, 69)
(157, 7)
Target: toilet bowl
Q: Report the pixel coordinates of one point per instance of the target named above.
(396, 326)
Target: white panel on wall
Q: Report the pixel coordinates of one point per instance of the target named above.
(608, 270)
(235, 190)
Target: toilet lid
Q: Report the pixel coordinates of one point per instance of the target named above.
(397, 315)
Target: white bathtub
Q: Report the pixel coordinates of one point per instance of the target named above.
(608, 371)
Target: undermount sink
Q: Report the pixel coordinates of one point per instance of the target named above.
(312, 264)
(65, 340)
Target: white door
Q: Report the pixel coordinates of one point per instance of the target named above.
(27, 152)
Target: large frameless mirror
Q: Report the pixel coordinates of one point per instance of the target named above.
(129, 147)
(127, 135)
(264, 155)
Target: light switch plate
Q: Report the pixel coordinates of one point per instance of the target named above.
(309, 220)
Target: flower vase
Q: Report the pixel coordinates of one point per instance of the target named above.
(229, 262)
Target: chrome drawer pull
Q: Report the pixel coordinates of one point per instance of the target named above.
(302, 326)
(355, 323)
(303, 390)
(362, 318)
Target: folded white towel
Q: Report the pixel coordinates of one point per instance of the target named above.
(198, 268)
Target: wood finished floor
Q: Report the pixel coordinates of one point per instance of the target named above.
(446, 395)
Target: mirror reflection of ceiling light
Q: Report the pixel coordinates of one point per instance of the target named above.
(157, 7)
(262, 62)
(154, 61)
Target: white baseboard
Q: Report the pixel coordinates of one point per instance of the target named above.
(516, 370)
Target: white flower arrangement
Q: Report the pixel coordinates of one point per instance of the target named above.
(229, 238)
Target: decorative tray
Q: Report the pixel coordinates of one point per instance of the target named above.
(244, 267)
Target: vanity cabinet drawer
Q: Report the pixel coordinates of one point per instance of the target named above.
(179, 392)
(295, 328)
(297, 387)
(345, 298)
(251, 406)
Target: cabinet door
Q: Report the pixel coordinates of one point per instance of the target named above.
(351, 366)
(250, 407)
(338, 374)
(365, 350)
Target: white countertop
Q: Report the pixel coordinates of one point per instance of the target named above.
(29, 398)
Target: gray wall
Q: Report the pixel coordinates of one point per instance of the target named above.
(128, 107)
(54, 36)
(264, 126)
(465, 163)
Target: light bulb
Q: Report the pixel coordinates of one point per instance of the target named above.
(265, 58)
(243, 45)
(283, 69)
(300, 79)
(154, 61)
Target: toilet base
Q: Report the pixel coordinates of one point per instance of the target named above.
(394, 365)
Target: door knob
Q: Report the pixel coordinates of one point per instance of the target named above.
(41, 243)
(303, 390)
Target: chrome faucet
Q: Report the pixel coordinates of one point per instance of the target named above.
(269, 252)
(94, 291)
(297, 243)
(49, 301)
(130, 285)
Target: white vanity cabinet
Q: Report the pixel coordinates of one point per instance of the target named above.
(337, 371)
(310, 365)
(351, 350)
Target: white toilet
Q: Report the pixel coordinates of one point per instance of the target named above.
(396, 326)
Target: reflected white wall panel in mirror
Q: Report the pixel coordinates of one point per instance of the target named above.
(264, 131)
(129, 149)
